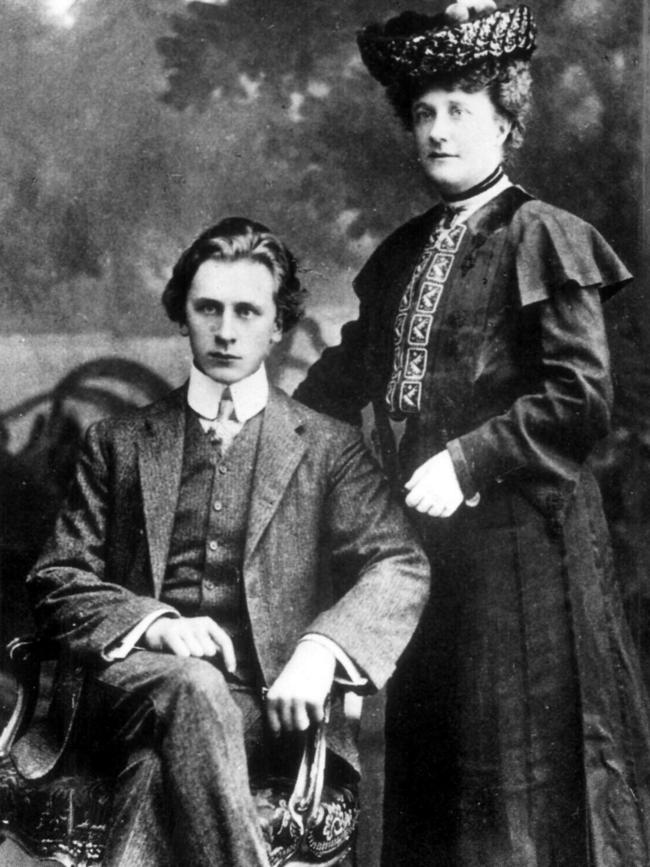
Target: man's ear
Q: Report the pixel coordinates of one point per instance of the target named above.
(184, 330)
(278, 333)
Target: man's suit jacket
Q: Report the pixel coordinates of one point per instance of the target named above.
(327, 549)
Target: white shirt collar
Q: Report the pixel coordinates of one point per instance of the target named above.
(249, 395)
(469, 206)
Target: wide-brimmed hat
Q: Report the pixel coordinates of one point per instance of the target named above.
(413, 45)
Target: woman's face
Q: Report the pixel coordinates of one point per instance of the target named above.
(459, 137)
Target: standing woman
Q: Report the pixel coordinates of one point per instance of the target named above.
(516, 732)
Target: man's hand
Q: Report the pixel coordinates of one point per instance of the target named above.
(433, 488)
(298, 695)
(190, 636)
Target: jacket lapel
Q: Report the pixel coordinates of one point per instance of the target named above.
(160, 456)
(281, 449)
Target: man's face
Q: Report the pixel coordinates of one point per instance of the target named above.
(231, 318)
(459, 137)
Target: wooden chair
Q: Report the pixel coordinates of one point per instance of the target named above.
(64, 818)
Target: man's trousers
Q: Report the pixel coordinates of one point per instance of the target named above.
(180, 736)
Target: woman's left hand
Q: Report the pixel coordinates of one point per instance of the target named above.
(433, 488)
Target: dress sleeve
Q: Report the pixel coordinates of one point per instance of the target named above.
(558, 249)
(337, 384)
(546, 434)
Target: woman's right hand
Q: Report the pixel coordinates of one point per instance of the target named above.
(433, 488)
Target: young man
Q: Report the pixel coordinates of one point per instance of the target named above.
(221, 541)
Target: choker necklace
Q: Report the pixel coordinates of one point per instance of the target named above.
(484, 185)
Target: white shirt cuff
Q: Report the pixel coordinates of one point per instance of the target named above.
(122, 648)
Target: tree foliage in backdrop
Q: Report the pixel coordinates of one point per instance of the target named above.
(138, 121)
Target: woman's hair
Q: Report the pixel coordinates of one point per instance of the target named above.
(508, 84)
(231, 240)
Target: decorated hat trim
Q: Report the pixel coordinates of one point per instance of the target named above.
(442, 47)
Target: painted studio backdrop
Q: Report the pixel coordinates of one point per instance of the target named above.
(129, 125)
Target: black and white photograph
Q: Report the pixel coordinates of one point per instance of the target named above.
(325, 433)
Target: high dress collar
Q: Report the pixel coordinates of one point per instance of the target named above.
(464, 204)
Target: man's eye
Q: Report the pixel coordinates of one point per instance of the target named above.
(210, 309)
(245, 312)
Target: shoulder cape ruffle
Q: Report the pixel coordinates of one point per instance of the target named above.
(554, 248)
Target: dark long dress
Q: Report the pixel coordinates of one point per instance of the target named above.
(517, 730)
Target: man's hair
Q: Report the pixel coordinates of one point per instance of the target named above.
(234, 239)
(508, 84)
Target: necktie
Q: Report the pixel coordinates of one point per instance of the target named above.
(225, 427)
(226, 409)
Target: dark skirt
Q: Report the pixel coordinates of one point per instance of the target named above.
(517, 725)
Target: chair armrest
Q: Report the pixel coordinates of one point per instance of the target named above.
(305, 799)
(306, 796)
(25, 656)
(306, 821)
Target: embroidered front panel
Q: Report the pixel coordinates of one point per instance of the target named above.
(414, 320)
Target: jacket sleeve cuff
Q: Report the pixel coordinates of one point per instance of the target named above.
(463, 473)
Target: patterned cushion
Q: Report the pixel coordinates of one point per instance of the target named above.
(63, 819)
(326, 841)
(66, 819)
